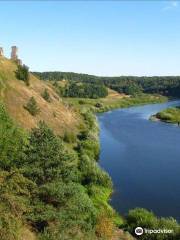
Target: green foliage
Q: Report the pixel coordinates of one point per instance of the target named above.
(46, 95)
(69, 137)
(60, 198)
(46, 157)
(60, 192)
(171, 115)
(15, 192)
(10, 226)
(133, 89)
(92, 174)
(12, 141)
(168, 86)
(99, 105)
(49, 191)
(142, 218)
(81, 102)
(89, 147)
(22, 73)
(85, 90)
(32, 107)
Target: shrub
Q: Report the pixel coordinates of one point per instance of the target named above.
(22, 73)
(46, 95)
(98, 105)
(12, 141)
(14, 203)
(46, 157)
(143, 218)
(81, 102)
(10, 226)
(90, 147)
(32, 107)
(69, 137)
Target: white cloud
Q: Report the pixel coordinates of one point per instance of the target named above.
(171, 5)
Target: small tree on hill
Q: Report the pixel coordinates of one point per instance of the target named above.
(46, 95)
(32, 107)
(22, 73)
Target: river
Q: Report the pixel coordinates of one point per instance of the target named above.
(143, 159)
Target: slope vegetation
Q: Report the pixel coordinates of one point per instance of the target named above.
(15, 95)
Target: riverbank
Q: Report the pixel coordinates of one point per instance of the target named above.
(131, 168)
(88, 108)
(169, 115)
(113, 102)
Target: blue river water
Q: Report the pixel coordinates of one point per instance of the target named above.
(143, 159)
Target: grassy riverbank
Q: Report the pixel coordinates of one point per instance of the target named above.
(169, 115)
(113, 102)
(138, 216)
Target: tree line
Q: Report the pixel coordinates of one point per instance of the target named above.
(83, 90)
(165, 85)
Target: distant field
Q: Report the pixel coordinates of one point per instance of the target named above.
(114, 100)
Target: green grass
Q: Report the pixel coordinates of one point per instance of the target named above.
(113, 103)
(100, 197)
(170, 115)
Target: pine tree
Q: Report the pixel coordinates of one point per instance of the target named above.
(22, 73)
(32, 107)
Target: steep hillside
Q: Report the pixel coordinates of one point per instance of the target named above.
(15, 95)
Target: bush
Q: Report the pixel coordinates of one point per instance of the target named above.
(12, 141)
(14, 203)
(98, 105)
(22, 73)
(142, 218)
(32, 107)
(46, 157)
(10, 226)
(69, 137)
(90, 147)
(81, 102)
(46, 96)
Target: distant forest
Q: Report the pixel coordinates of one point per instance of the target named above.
(165, 85)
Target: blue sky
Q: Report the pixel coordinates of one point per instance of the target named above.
(97, 37)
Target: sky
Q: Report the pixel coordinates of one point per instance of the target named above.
(105, 38)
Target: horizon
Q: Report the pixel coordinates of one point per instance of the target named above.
(107, 38)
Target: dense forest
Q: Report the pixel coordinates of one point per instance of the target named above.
(83, 90)
(168, 86)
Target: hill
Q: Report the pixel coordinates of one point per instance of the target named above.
(164, 85)
(15, 95)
